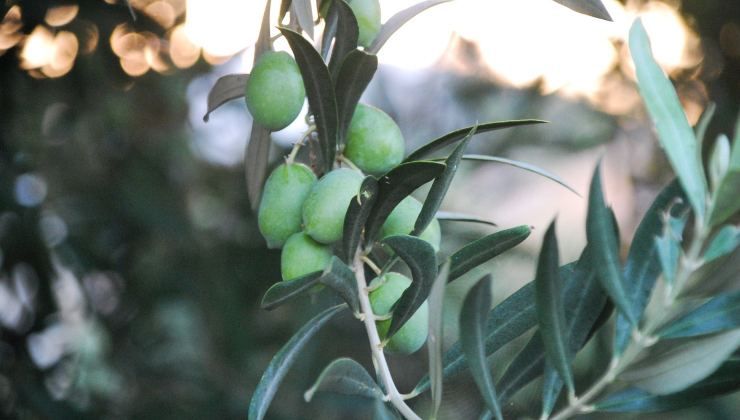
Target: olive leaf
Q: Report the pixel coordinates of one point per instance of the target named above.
(434, 340)
(341, 278)
(420, 257)
(719, 313)
(357, 214)
(231, 86)
(255, 163)
(593, 8)
(486, 248)
(355, 74)
(723, 243)
(345, 39)
(304, 15)
(345, 376)
(283, 291)
(457, 135)
(398, 20)
(283, 360)
(462, 217)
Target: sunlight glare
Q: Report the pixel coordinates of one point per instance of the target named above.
(222, 27)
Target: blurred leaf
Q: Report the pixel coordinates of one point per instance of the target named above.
(719, 161)
(284, 7)
(434, 341)
(304, 15)
(283, 291)
(320, 93)
(398, 20)
(342, 279)
(643, 267)
(255, 163)
(668, 244)
(462, 217)
(714, 277)
(550, 310)
(674, 132)
(439, 188)
(603, 243)
(674, 367)
(551, 387)
(482, 250)
(396, 185)
(283, 360)
(472, 326)
(724, 200)
(345, 376)
(634, 400)
(457, 135)
(345, 40)
(228, 87)
(355, 74)
(419, 255)
(584, 301)
(507, 321)
(357, 213)
(720, 313)
(723, 243)
(701, 127)
(381, 411)
(593, 8)
(263, 43)
(522, 165)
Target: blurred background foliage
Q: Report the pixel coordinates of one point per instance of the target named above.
(131, 267)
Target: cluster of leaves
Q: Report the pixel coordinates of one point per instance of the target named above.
(684, 331)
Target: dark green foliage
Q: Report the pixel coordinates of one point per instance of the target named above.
(482, 250)
(345, 376)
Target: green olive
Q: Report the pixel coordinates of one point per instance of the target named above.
(302, 255)
(279, 214)
(327, 203)
(367, 13)
(402, 219)
(413, 334)
(275, 91)
(374, 141)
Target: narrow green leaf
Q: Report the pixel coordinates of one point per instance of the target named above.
(434, 341)
(263, 43)
(551, 386)
(345, 40)
(674, 132)
(283, 291)
(341, 278)
(255, 163)
(522, 165)
(396, 185)
(320, 93)
(357, 214)
(420, 257)
(719, 161)
(355, 74)
(457, 135)
(674, 367)
(603, 243)
(701, 127)
(283, 360)
(593, 8)
(724, 200)
(304, 15)
(482, 250)
(461, 217)
(634, 400)
(643, 267)
(510, 319)
(228, 87)
(720, 313)
(714, 277)
(439, 188)
(723, 243)
(472, 326)
(398, 20)
(345, 376)
(668, 244)
(284, 7)
(584, 301)
(550, 310)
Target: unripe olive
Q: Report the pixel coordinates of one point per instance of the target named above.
(374, 141)
(327, 203)
(302, 255)
(280, 210)
(414, 332)
(367, 13)
(275, 91)
(402, 219)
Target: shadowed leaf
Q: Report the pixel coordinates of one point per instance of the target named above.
(228, 87)
(355, 74)
(345, 40)
(472, 327)
(255, 163)
(357, 214)
(341, 278)
(434, 341)
(283, 360)
(419, 256)
(345, 376)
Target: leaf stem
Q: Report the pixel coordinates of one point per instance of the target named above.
(297, 146)
(381, 365)
(642, 339)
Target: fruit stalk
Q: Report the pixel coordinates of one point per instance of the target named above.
(381, 365)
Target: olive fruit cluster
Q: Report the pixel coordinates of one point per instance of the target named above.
(387, 289)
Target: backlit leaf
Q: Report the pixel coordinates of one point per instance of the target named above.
(398, 20)
(228, 87)
(593, 8)
(283, 360)
(522, 165)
